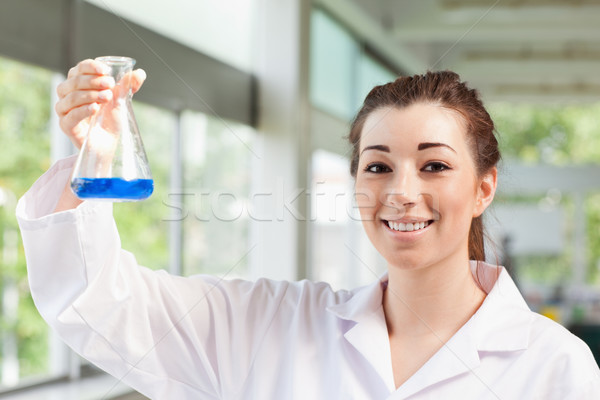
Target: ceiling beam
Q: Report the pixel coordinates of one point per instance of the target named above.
(561, 100)
(503, 34)
(538, 70)
(534, 53)
(489, 96)
(452, 4)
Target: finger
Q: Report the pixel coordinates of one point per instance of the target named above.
(131, 81)
(76, 115)
(84, 82)
(80, 98)
(137, 79)
(89, 67)
(69, 123)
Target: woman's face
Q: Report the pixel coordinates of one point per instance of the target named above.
(416, 185)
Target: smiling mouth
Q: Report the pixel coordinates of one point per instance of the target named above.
(407, 227)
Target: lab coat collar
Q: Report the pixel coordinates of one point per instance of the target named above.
(364, 302)
(369, 334)
(502, 324)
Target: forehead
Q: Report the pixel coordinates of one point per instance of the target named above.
(414, 124)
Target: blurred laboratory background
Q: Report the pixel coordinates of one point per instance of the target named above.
(244, 116)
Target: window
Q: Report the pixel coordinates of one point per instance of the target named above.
(24, 156)
(215, 195)
(370, 73)
(341, 73)
(333, 54)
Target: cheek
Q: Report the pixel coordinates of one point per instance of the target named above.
(365, 197)
(457, 203)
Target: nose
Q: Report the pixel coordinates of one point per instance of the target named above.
(404, 190)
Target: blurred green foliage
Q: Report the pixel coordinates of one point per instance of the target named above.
(25, 155)
(548, 134)
(592, 209)
(556, 135)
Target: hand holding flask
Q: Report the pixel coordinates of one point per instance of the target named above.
(112, 163)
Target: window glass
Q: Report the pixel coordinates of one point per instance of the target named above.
(24, 156)
(341, 74)
(333, 55)
(217, 173)
(370, 74)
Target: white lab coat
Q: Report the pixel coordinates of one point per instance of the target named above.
(201, 337)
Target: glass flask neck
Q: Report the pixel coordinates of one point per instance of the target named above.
(120, 67)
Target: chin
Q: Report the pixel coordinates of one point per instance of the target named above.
(405, 260)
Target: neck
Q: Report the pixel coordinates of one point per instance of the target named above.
(436, 299)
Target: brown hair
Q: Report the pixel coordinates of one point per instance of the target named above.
(445, 89)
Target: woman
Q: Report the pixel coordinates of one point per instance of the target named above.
(440, 324)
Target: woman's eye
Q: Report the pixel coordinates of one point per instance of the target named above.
(435, 167)
(377, 168)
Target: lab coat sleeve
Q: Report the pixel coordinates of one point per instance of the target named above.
(576, 375)
(166, 336)
(590, 390)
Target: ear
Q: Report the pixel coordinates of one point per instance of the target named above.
(486, 190)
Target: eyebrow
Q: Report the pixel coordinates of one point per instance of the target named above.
(427, 145)
(380, 147)
(421, 146)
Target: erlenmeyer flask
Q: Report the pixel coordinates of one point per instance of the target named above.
(112, 164)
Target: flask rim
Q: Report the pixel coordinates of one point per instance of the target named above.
(116, 60)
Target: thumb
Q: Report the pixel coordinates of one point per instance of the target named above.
(137, 79)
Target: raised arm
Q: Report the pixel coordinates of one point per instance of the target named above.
(166, 336)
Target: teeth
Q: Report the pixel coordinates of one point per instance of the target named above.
(408, 227)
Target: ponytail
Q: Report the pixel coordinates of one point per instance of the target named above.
(476, 244)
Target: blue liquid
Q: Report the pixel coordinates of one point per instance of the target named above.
(112, 188)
